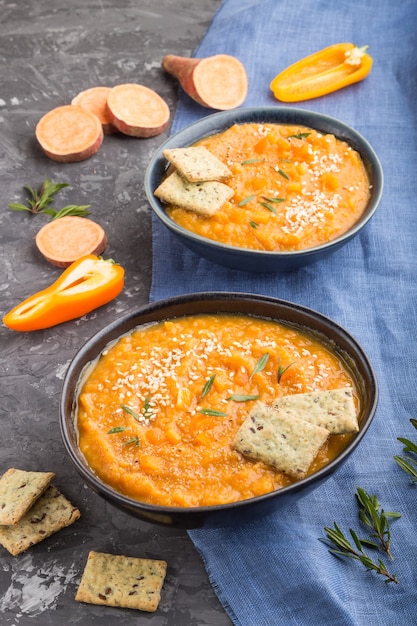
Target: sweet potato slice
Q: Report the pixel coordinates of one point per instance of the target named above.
(69, 133)
(137, 111)
(95, 101)
(68, 238)
(217, 82)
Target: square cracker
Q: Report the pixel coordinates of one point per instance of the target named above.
(197, 164)
(51, 512)
(204, 198)
(333, 409)
(287, 444)
(19, 490)
(117, 580)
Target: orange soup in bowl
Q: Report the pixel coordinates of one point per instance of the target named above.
(158, 411)
(294, 188)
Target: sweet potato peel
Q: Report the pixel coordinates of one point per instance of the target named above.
(217, 82)
(66, 239)
(69, 133)
(95, 101)
(137, 111)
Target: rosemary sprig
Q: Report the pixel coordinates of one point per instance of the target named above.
(238, 397)
(131, 412)
(273, 199)
(213, 412)
(376, 519)
(250, 161)
(260, 365)
(71, 209)
(343, 547)
(121, 429)
(282, 370)
(40, 199)
(253, 224)
(283, 174)
(147, 411)
(299, 136)
(246, 200)
(207, 386)
(268, 206)
(408, 463)
(134, 440)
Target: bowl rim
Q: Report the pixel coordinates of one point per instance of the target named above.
(128, 503)
(244, 115)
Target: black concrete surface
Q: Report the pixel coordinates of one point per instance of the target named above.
(49, 51)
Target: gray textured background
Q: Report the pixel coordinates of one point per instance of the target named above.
(49, 51)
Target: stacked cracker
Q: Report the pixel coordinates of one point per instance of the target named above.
(289, 434)
(31, 509)
(196, 182)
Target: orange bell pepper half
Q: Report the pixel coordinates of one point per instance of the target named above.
(321, 73)
(85, 285)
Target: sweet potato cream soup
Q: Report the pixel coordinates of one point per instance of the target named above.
(294, 188)
(157, 412)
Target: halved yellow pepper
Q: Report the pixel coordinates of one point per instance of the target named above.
(85, 285)
(323, 72)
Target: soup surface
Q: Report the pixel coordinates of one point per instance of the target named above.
(158, 410)
(294, 188)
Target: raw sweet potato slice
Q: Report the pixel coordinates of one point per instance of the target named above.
(69, 133)
(95, 101)
(68, 238)
(217, 82)
(137, 111)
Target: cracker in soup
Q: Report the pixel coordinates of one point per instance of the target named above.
(288, 444)
(204, 198)
(333, 409)
(197, 164)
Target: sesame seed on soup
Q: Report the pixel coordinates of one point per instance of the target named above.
(294, 188)
(157, 412)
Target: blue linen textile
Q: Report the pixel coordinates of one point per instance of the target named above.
(275, 571)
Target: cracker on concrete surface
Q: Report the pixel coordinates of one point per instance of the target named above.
(333, 409)
(19, 489)
(51, 512)
(204, 198)
(287, 444)
(117, 580)
(197, 164)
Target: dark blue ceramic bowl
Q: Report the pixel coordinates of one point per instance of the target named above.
(253, 260)
(323, 329)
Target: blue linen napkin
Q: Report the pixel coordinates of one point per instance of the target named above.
(275, 571)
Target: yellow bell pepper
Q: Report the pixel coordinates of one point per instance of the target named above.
(85, 285)
(320, 73)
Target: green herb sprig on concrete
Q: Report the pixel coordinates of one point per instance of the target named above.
(39, 201)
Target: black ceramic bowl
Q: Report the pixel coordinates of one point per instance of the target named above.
(259, 260)
(314, 323)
